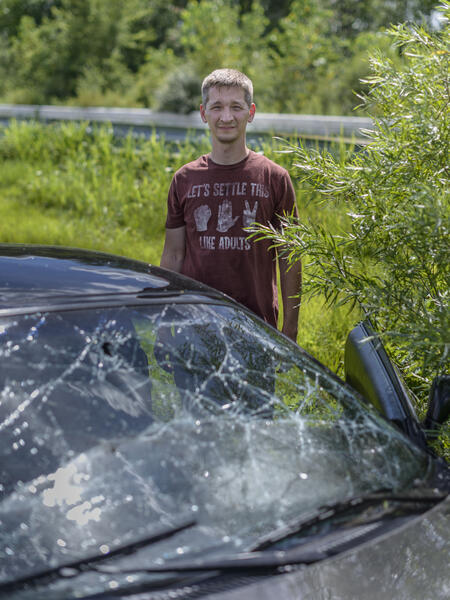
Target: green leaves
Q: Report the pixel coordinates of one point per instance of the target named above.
(392, 255)
(304, 56)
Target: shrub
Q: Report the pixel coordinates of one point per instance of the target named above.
(392, 256)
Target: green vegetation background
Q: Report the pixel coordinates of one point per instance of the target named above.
(71, 184)
(304, 56)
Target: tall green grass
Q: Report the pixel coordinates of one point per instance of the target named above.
(80, 185)
(106, 191)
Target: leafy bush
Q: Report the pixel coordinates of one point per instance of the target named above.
(180, 92)
(392, 257)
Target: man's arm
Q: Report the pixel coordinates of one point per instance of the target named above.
(174, 249)
(291, 285)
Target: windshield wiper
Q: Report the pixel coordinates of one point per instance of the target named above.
(255, 559)
(73, 568)
(241, 561)
(328, 511)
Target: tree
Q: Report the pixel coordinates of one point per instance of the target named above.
(12, 11)
(392, 258)
(300, 51)
(242, 43)
(303, 55)
(51, 49)
(194, 42)
(351, 18)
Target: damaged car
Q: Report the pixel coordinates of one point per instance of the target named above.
(158, 440)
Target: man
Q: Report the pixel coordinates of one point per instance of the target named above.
(214, 198)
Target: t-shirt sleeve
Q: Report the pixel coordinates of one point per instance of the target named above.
(285, 203)
(175, 213)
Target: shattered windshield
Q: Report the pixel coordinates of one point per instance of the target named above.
(115, 422)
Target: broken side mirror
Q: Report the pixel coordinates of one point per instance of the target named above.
(438, 405)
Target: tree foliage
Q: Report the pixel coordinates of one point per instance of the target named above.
(392, 258)
(303, 55)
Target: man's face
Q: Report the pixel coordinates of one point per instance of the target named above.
(227, 114)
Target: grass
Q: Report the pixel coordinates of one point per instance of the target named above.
(76, 185)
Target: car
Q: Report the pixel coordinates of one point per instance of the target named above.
(158, 440)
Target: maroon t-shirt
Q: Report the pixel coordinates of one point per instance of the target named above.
(215, 202)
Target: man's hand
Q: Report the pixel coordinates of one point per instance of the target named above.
(290, 330)
(291, 287)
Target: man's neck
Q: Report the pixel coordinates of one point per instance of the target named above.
(228, 154)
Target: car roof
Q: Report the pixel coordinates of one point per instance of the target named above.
(33, 274)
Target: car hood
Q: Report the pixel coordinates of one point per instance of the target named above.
(409, 563)
(235, 481)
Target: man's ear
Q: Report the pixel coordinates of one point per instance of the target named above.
(202, 113)
(251, 115)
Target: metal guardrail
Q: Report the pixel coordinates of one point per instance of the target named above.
(304, 126)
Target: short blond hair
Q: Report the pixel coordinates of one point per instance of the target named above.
(227, 78)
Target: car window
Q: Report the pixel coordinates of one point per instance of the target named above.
(115, 420)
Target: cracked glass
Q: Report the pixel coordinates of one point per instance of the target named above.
(117, 421)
